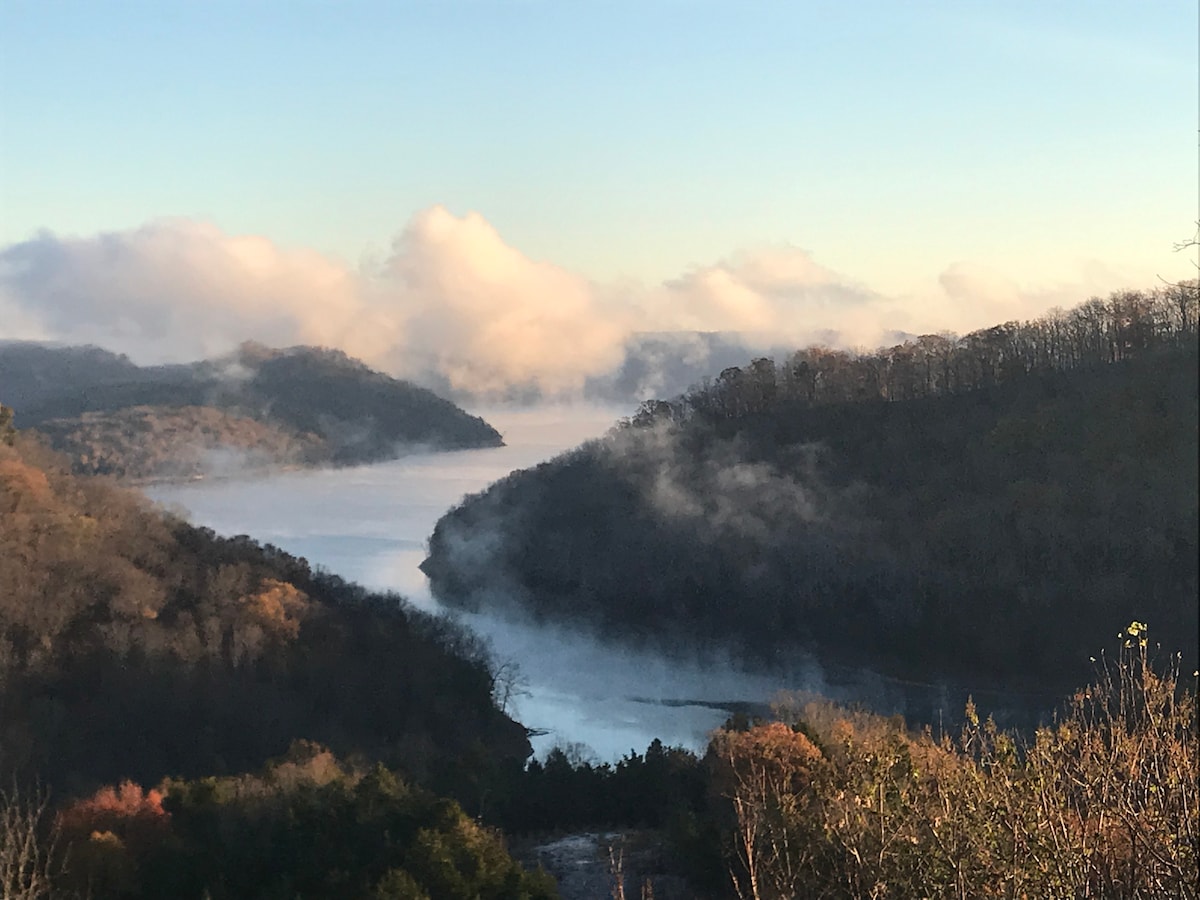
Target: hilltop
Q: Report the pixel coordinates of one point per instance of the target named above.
(988, 507)
(257, 407)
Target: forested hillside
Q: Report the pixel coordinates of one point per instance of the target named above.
(989, 507)
(307, 825)
(257, 407)
(162, 442)
(135, 646)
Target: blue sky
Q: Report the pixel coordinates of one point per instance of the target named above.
(616, 138)
(622, 140)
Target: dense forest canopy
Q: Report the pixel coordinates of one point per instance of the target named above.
(256, 407)
(307, 825)
(988, 507)
(133, 645)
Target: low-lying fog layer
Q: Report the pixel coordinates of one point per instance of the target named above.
(369, 524)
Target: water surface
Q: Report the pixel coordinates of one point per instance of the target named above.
(370, 524)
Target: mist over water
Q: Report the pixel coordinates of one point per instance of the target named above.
(369, 524)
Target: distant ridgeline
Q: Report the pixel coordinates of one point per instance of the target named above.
(991, 507)
(258, 407)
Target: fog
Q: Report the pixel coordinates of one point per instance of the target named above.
(369, 524)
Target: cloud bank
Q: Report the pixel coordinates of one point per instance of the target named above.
(452, 305)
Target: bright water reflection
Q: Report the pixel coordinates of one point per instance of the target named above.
(369, 524)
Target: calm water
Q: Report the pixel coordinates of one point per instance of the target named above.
(369, 524)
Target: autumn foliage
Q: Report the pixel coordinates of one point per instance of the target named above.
(104, 836)
(306, 826)
(1101, 803)
(133, 814)
(134, 646)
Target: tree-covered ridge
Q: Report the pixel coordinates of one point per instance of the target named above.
(1128, 325)
(977, 508)
(155, 442)
(361, 414)
(135, 646)
(310, 406)
(307, 825)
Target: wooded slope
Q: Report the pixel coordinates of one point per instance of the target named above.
(254, 408)
(133, 645)
(991, 507)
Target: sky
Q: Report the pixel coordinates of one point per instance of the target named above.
(502, 190)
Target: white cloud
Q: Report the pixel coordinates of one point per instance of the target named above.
(773, 295)
(176, 289)
(486, 317)
(975, 296)
(454, 305)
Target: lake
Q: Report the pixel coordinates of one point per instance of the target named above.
(369, 524)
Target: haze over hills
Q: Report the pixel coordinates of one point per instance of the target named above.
(456, 307)
(256, 407)
(1032, 466)
(989, 507)
(668, 363)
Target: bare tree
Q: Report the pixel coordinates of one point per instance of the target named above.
(616, 871)
(1193, 241)
(1192, 244)
(508, 683)
(27, 845)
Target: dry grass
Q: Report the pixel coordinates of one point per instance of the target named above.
(1103, 803)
